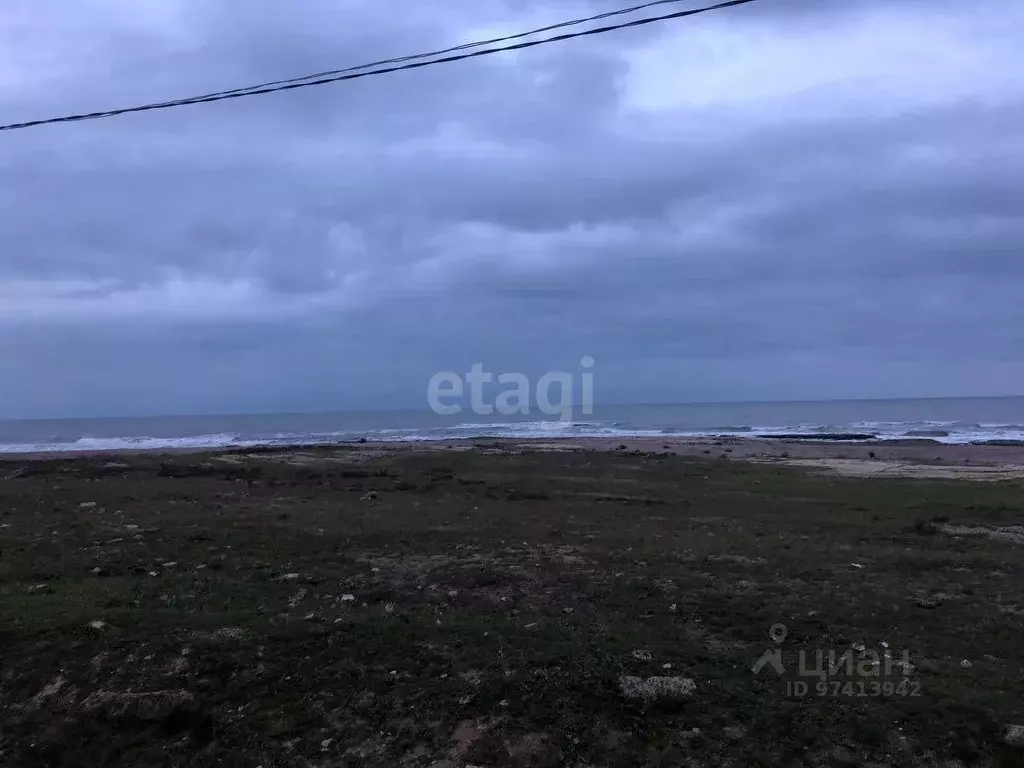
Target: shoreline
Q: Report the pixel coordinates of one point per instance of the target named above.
(862, 458)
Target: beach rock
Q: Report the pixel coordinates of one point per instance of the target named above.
(825, 436)
(653, 689)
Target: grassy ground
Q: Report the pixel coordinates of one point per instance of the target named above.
(343, 607)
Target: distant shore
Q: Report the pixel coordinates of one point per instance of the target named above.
(996, 460)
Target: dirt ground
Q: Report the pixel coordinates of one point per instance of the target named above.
(505, 606)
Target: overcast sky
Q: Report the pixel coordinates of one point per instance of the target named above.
(791, 199)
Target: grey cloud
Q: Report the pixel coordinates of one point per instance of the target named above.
(515, 212)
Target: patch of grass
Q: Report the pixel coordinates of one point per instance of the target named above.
(501, 594)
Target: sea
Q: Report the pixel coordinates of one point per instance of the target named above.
(950, 420)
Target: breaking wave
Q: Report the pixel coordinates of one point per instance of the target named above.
(944, 432)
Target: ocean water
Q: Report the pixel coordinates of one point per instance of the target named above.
(953, 420)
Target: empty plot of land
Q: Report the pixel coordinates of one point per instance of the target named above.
(494, 607)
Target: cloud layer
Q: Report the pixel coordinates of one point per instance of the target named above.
(782, 200)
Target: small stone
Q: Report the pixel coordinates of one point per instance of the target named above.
(966, 664)
(453, 593)
(735, 732)
(370, 496)
(131, 527)
(97, 624)
(673, 608)
(87, 505)
(1014, 736)
(642, 655)
(389, 607)
(170, 564)
(348, 598)
(290, 577)
(567, 610)
(656, 688)
(37, 588)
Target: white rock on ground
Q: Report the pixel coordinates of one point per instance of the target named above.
(656, 688)
(1014, 736)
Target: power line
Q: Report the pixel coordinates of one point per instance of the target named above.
(453, 49)
(442, 51)
(412, 62)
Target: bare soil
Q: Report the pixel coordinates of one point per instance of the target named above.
(503, 606)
